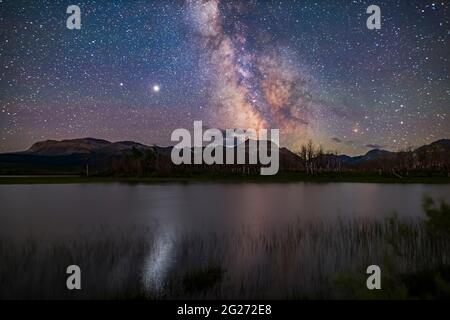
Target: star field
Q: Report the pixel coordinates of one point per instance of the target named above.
(137, 70)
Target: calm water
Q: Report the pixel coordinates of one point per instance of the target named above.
(174, 212)
(62, 210)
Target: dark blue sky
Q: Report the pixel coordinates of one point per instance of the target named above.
(310, 68)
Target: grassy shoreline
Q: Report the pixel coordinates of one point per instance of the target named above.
(300, 261)
(282, 178)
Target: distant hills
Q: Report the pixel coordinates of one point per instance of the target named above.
(81, 146)
(102, 157)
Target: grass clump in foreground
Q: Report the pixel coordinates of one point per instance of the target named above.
(202, 279)
(317, 260)
(431, 281)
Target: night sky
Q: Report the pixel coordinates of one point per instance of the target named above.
(137, 70)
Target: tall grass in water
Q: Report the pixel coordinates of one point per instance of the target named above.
(300, 260)
(110, 265)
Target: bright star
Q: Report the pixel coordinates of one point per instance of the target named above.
(156, 88)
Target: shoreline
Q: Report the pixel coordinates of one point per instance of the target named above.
(283, 178)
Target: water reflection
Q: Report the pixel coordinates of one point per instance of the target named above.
(160, 258)
(52, 210)
(257, 233)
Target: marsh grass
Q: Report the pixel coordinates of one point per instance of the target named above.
(110, 266)
(317, 260)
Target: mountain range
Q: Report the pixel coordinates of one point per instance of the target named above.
(72, 156)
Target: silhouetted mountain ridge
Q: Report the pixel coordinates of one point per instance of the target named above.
(73, 155)
(80, 146)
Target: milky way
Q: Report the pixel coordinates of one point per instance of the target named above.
(139, 69)
(253, 88)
